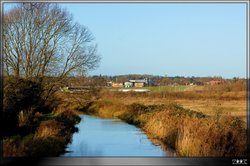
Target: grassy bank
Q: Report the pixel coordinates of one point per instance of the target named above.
(50, 137)
(188, 132)
(34, 127)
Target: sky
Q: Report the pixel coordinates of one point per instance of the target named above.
(173, 39)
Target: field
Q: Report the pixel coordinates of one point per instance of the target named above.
(173, 88)
(197, 98)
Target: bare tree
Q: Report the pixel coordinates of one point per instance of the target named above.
(40, 40)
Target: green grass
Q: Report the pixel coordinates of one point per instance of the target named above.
(48, 116)
(169, 88)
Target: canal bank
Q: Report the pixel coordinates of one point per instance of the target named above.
(174, 128)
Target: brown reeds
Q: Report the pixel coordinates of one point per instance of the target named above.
(212, 138)
(189, 132)
(49, 139)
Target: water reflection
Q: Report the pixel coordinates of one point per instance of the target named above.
(110, 137)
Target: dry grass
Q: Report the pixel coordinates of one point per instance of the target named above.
(13, 147)
(211, 137)
(235, 108)
(164, 127)
(230, 103)
(50, 128)
(190, 133)
(50, 138)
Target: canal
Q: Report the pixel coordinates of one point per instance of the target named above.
(110, 137)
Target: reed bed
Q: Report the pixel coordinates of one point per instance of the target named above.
(188, 132)
(49, 139)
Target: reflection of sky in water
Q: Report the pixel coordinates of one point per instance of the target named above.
(109, 137)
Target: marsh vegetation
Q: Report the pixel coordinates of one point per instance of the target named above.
(210, 121)
(46, 51)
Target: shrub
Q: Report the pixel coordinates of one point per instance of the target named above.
(140, 108)
(45, 146)
(88, 107)
(50, 128)
(68, 118)
(135, 111)
(11, 147)
(178, 110)
(19, 94)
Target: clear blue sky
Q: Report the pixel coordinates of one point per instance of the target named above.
(167, 39)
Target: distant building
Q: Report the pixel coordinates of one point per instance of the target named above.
(139, 84)
(215, 82)
(132, 83)
(133, 90)
(109, 83)
(128, 84)
(142, 82)
(137, 81)
(117, 85)
(150, 82)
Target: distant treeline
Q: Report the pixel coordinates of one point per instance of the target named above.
(159, 80)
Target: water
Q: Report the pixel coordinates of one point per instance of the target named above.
(110, 137)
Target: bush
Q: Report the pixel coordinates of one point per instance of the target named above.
(68, 118)
(19, 94)
(12, 148)
(55, 129)
(178, 111)
(45, 146)
(140, 108)
(50, 128)
(231, 86)
(88, 107)
(135, 110)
